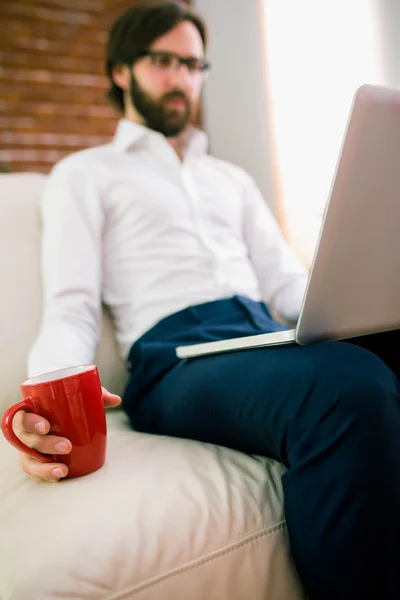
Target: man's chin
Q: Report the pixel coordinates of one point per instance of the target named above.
(175, 127)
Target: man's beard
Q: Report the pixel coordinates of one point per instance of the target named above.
(156, 114)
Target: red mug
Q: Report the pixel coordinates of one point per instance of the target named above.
(71, 400)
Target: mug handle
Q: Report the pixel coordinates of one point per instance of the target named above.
(30, 405)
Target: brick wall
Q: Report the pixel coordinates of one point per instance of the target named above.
(52, 81)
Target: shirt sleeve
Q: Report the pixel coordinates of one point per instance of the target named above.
(72, 220)
(281, 274)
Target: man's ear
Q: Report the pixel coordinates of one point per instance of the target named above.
(121, 75)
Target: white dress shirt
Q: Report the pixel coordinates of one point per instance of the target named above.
(130, 225)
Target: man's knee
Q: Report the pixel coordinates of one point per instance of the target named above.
(352, 402)
(355, 380)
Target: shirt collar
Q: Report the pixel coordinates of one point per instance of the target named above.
(128, 134)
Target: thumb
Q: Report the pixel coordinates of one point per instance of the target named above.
(110, 399)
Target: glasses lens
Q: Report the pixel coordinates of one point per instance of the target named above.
(194, 65)
(162, 59)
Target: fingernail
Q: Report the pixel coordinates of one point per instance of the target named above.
(40, 427)
(61, 447)
(57, 472)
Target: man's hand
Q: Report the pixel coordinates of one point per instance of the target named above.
(33, 431)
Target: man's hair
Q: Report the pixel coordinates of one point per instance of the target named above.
(136, 28)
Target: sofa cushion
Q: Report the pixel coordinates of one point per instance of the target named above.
(164, 519)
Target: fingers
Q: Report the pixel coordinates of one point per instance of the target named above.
(47, 444)
(30, 423)
(32, 430)
(27, 426)
(110, 399)
(51, 472)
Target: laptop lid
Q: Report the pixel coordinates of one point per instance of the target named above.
(354, 283)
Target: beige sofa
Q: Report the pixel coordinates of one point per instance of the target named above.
(164, 519)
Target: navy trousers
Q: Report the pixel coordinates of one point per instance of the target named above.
(330, 412)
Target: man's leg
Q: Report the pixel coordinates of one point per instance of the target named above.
(330, 412)
(385, 345)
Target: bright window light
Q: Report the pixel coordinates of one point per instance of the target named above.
(318, 54)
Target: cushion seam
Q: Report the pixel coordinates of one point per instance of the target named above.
(197, 562)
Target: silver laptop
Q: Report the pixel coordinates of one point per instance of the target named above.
(354, 284)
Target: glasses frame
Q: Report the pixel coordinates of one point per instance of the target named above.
(203, 71)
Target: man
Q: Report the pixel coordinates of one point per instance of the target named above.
(183, 249)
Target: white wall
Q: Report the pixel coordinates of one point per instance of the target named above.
(388, 15)
(235, 97)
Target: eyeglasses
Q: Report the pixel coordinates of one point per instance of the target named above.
(167, 61)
